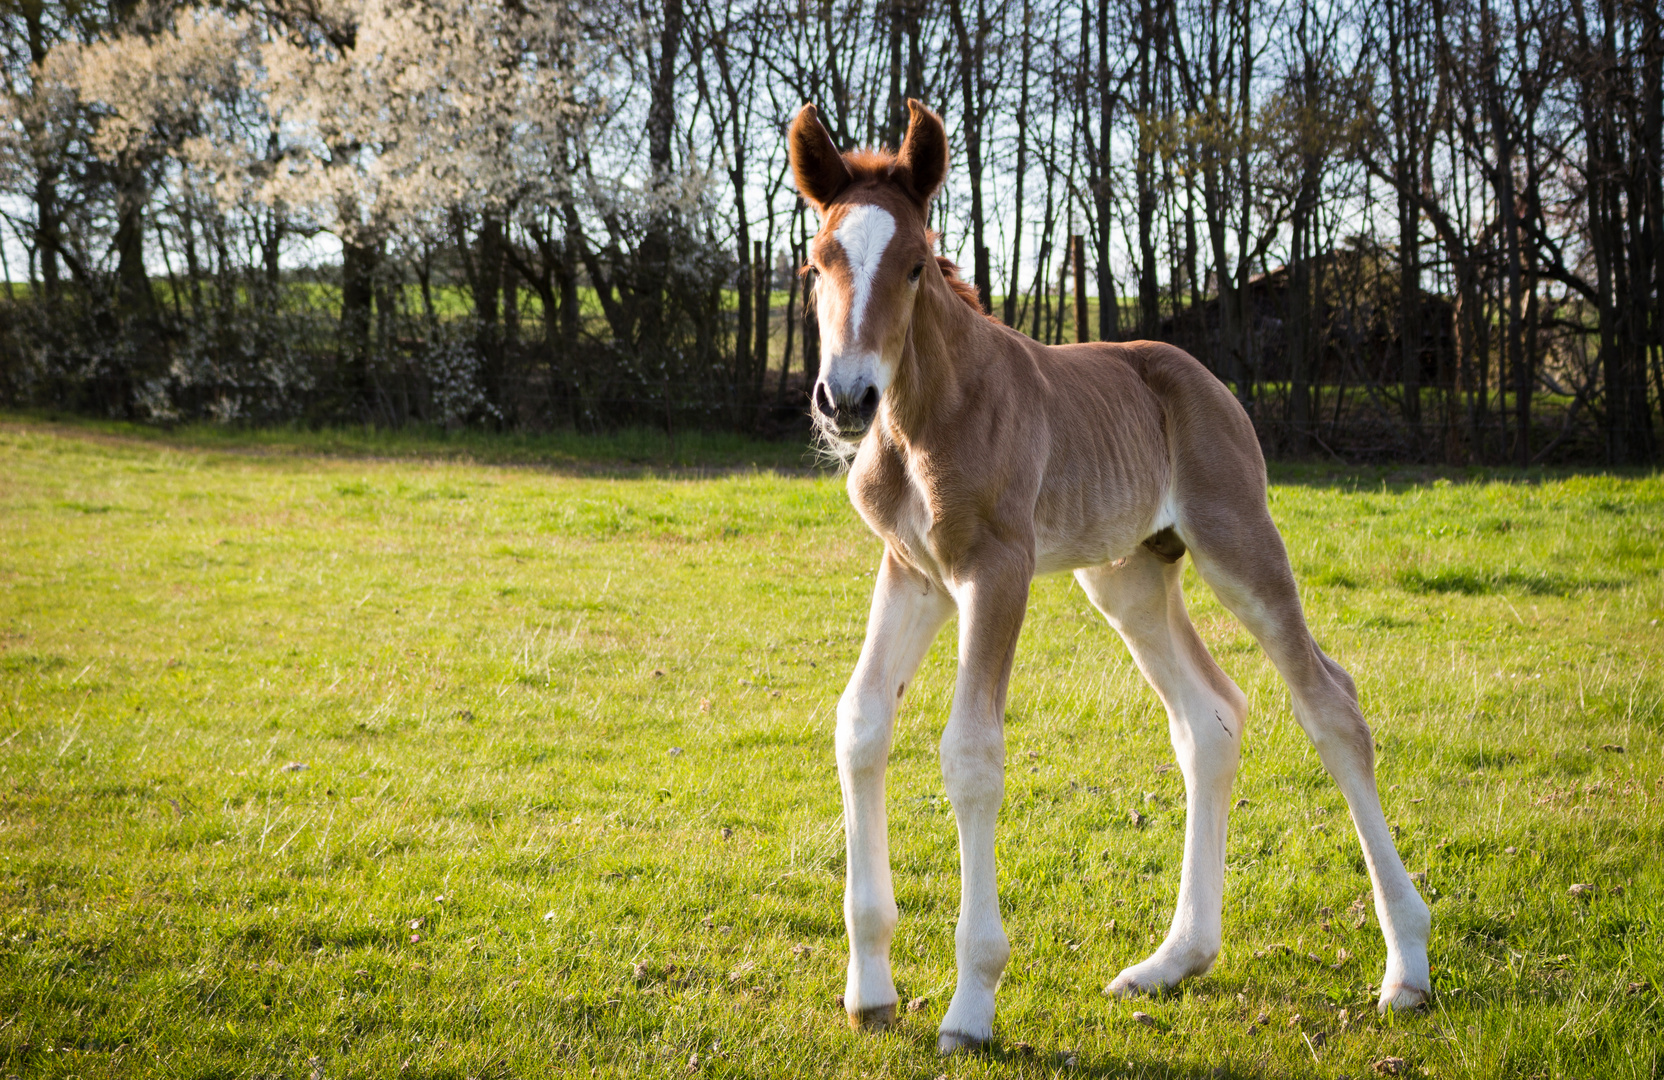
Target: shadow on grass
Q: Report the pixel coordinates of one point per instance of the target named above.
(636, 452)
(1020, 1058)
(627, 453)
(1472, 581)
(1396, 479)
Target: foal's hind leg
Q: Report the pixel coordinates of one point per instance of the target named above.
(1205, 712)
(1242, 558)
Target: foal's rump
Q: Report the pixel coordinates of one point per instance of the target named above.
(1200, 447)
(1218, 479)
(1217, 500)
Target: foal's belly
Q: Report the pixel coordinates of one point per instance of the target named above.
(1094, 513)
(1088, 525)
(1057, 550)
(1062, 541)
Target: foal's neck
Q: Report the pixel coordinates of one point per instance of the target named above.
(945, 348)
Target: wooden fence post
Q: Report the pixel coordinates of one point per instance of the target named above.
(1083, 325)
(764, 293)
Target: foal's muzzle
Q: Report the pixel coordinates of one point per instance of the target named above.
(851, 411)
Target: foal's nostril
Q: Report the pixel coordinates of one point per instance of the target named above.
(869, 403)
(823, 401)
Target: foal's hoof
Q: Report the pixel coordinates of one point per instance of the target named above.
(1160, 973)
(958, 1042)
(876, 1018)
(1142, 980)
(1401, 997)
(1127, 984)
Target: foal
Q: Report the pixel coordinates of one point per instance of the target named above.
(982, 459)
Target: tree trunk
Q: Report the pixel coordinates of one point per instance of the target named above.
(48, 225)
(134, 298)
(895, 108)
(654, 251)
(1513, 359)
(1652, 90)
(1108, 306)
(1041, 332)
(1012, 288)
(1143, 174)
(488, 292)
(1303, 338)
(48, 234)
(811, 319)
(759, 358)
(790, 322)
(358, 268)
(511, 304)
(1405, 173)
(970, 87)
(1228, 350)
(747, 293)
(1245, 194)
(1063, 267)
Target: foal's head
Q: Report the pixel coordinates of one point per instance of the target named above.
(869, 257)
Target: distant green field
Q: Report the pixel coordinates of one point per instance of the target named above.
(324, 756)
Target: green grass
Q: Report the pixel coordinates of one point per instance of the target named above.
(260, 711)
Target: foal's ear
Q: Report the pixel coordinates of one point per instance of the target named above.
(924, 153)
(817, 166)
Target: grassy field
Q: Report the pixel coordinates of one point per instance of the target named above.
(399, 764)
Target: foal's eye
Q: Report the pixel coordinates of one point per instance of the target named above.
(913, 277)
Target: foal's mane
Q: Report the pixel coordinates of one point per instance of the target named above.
(961, 288)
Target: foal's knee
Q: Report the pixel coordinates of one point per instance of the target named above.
(863, 735)
(871, 920)
(973, 764)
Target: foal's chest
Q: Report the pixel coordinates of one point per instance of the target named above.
(896, 505)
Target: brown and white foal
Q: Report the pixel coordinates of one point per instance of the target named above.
(982, 459)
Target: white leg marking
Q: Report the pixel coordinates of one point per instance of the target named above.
(1205, 718)
(973, 775)
(906, 614)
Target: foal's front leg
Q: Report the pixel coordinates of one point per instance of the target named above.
(907, 611)
(991, 606)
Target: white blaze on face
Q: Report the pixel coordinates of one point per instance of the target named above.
(864, 233)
